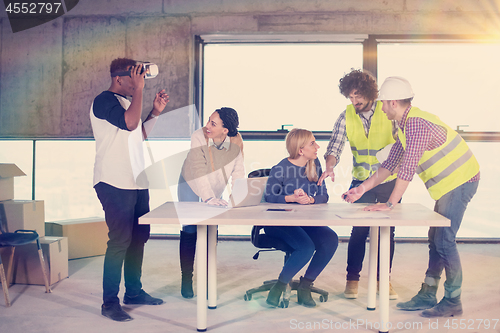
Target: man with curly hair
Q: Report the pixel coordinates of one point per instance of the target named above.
(369, 131)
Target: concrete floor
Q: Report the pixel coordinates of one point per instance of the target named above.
(74, 304)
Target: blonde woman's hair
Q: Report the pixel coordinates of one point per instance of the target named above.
(295, 140)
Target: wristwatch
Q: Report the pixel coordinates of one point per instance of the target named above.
(389, 204)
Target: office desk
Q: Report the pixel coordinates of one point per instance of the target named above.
(331, 214)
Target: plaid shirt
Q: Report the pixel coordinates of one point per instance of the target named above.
(339, 133)
(421, 135)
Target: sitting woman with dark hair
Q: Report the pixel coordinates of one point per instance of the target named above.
(216, 155)
(294, 180)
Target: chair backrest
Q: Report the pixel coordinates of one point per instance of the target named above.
(260, 239)
(263, 241)
(259, 173)
(3, 220)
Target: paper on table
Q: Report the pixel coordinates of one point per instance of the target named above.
(383, 154)
(362, 214)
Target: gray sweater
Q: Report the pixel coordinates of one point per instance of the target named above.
(209, 181)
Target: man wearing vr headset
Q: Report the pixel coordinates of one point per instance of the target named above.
(118, 131)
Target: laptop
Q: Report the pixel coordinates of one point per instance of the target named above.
(247, 192)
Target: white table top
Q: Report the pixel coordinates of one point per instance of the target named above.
(330, 214)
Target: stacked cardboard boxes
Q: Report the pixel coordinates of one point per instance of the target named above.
(26, 267)
(87, 237)
(7, 174)
(29, 215)
(24, 214)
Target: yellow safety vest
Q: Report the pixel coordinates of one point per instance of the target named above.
(365, 148)
(449, 165)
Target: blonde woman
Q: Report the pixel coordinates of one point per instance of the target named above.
(294, 181)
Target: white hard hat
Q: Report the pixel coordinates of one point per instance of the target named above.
(395, 88)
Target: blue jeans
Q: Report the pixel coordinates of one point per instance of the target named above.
(320, 243)
(122, 209)
(357, 242)
(443, 252)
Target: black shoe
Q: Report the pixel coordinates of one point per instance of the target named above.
(273, 298)
(304, 293)
(187, 286)
(115, 312)
(187, 249)
(142, 298)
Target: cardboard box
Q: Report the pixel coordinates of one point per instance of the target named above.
(25, 214)
(7, 174)
(26, 267)
(87, 237)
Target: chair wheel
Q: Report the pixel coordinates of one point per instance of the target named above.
(284, 303)
(247, 297)
(323, 298)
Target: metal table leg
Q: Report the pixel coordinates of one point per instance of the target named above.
(212, 266)
(201, 283)
(385, 244)
(372, 270)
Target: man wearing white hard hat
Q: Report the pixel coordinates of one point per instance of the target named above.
(450, 172)
(369, 133)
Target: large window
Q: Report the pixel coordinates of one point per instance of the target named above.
(271, 85)
(459, 82)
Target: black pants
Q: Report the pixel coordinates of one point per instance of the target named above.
(357, 242)
(122, 209)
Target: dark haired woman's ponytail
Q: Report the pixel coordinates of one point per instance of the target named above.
(229, 119)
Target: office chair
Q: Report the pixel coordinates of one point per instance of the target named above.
(268, 243)
(13, 239)
(259, 173)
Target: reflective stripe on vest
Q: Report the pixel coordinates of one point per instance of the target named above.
(364, 149)
(446, 167)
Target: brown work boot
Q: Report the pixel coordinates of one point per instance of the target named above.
(392, 293)
(425, 299)
(447, 307)
(351, 289)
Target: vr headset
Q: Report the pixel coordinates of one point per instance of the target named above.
(149, 68)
